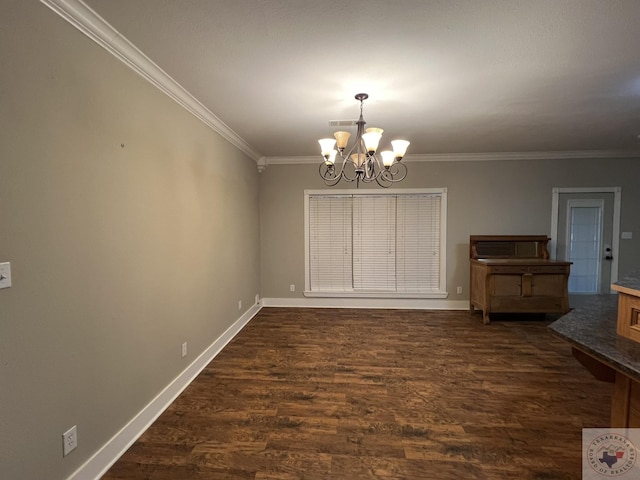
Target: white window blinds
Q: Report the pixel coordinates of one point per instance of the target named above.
(330, 243)
(375, 243)
(418, 243)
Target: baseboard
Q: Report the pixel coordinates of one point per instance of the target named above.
(103, 459)
(394, 303)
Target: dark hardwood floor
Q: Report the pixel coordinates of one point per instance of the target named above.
(328, 394)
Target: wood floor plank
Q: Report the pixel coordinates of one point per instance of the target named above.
(328, 394)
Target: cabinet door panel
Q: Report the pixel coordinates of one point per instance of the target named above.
(506, 284)
(548, 285)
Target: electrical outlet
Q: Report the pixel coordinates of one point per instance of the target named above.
(257, 299)
(69, 441)
(239, 304)
(292, 288)
(184, 349)
(459, 290)
(5, 275)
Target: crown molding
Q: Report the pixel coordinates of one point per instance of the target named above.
(478, 157)
(81, 16)
(292, 160)
(549, 155)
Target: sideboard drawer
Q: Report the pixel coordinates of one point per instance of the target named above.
(549, 269)
(508, 269)
(519, 269)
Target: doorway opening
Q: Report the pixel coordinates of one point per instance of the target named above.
(585, 230)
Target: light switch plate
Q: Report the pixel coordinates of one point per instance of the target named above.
(5, 275)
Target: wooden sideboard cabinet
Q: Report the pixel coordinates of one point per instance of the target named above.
(513, 274)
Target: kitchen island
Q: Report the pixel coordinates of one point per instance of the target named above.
(591, 331)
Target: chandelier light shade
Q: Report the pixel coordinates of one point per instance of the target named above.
(362, 162)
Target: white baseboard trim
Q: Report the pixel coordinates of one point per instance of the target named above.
(103, 459)
(395, 303)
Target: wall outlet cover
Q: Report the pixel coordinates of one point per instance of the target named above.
(69, 441)
(5, 275)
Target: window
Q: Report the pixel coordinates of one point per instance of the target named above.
(387, 244)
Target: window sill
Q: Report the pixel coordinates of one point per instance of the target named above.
(375, 294)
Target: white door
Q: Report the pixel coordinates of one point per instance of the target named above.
(586, 233)
(583, 244)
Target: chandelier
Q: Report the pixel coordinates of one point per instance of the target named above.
(361, 163)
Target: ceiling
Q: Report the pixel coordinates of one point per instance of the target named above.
(451, 76)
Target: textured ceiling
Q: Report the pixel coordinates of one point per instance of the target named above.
(451, 76)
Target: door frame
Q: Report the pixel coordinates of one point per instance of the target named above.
(615, 241)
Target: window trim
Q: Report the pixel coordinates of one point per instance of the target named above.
(441, 293)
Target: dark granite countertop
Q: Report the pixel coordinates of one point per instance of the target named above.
(631, 282)
(592, 329)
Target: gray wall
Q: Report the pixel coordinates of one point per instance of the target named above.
(130, 227)
(484, 197)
